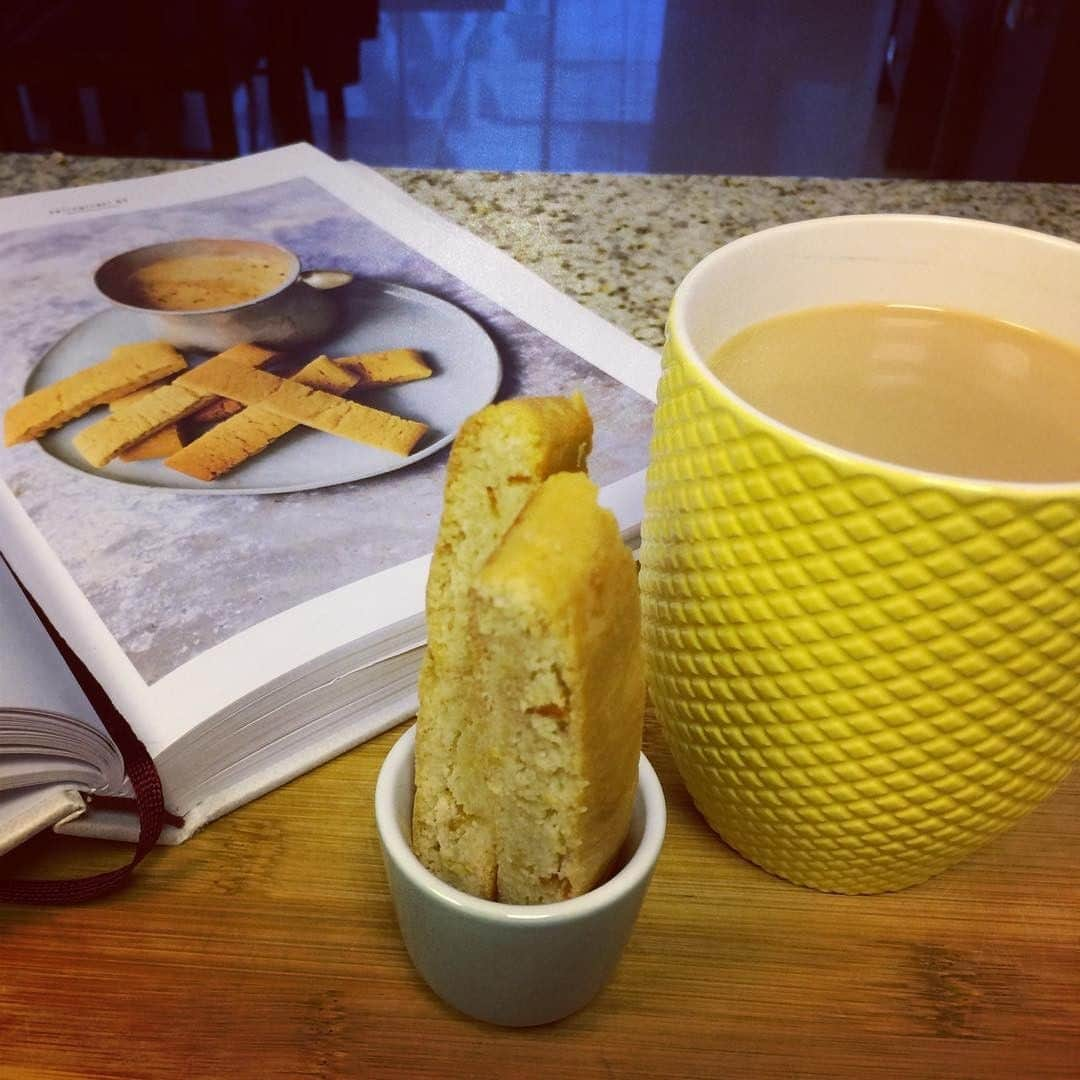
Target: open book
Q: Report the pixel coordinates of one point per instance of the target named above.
(251, 625)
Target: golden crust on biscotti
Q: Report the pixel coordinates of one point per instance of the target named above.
(240, 437)
(150, 413)
(499, 458)
(560, 663)
(229, 444)
(102, 441)
(159, 445)
(128, 368)
(387, 368)
(303, 405)
(154, 447)
(217, 409)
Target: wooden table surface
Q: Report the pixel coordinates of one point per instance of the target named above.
(266, 946)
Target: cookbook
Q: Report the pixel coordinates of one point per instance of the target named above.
(229, 394)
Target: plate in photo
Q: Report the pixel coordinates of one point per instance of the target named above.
(376, 315)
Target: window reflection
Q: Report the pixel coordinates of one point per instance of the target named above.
(536, 84)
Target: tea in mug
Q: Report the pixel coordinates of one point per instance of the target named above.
(938, 390)
(202, 282)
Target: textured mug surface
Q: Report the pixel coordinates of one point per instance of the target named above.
(864, 672)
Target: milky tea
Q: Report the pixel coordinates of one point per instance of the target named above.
(201, 282)
(943, 391)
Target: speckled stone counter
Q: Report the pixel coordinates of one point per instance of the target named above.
(620, 244)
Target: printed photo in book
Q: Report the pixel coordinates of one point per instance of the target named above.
(229, 396)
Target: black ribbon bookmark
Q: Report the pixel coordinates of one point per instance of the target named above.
(145, 782)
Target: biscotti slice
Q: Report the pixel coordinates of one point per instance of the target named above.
(500, 457)
(102, 441)
(136, 395)
(159, 445)
(154, 447)
(559, 663)
(218, 408)
(164, 443)
(324, 374)
(387, 368)
(231, 443)
(363, 371)
(248, 433)
(302, 405)
(241, 437)
(332, 381)
(128, 368)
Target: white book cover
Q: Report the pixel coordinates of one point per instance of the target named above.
(251, 626)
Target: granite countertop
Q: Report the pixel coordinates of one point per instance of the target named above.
(620, 243)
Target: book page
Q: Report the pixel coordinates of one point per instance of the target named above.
(33, 675)
(184, 595)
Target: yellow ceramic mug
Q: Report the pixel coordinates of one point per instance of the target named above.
(863, 671)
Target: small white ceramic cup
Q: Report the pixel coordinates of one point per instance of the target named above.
(516, 965)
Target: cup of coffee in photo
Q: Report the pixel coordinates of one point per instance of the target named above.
(861, 545)
(212, 293)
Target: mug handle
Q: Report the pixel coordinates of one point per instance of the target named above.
(326, 279)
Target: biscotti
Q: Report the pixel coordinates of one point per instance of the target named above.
(127, 368)
(154, 447)
(219, 408)
(557, 634)
(387, 368)
(500, 457)
(160, 444)
(102, 441)
(241, 437)
(302, 405)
